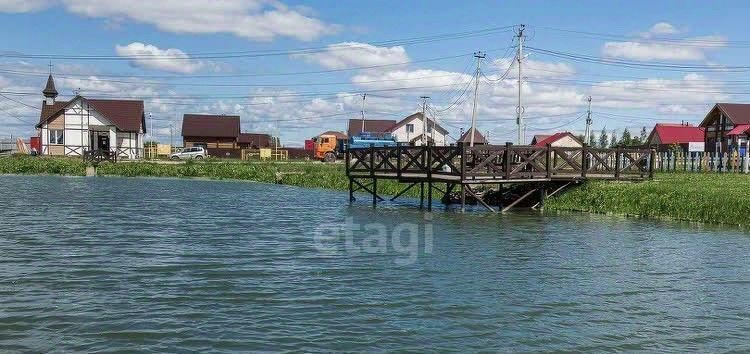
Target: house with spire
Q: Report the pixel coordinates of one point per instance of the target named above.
(81, 124)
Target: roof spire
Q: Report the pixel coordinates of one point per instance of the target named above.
(49, 90)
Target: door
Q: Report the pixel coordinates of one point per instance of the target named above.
(102, 142)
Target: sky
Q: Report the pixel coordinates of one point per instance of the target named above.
(299, 68)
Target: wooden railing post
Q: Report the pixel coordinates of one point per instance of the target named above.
(398, 160)
(652, 164)
(584, 160)
(462, 155)
(372, 159)
(429, 175)
(347, 157)
(548, 163)
(618, 161)
(508, 149)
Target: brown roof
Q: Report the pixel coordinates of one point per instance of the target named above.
(255, 139)
(737, 113)
(478, 137)
(371, 125)
(126, 115)
(417, 115)
(211, 126)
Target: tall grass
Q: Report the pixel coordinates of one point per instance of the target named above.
(27, 165)
(700, 197)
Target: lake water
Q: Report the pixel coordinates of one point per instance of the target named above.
(145, 265)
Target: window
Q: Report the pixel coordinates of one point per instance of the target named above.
(56, 137)
(410, 128)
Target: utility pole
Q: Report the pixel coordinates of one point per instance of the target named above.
(364, 96)
(151, 127)
(519, 57)
(424, 118)
(479, 56)
(171, 136)
(587, 135)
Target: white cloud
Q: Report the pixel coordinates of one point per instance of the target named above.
(149, 56)
(354, 54)
(674, 96)
(261, 20)
(532, 68)
(425, 79)
(647, 49)
(663, 28)
(21, 6)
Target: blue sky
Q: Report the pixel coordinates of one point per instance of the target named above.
(203, 57)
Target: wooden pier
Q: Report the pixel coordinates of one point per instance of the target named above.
(459, 167)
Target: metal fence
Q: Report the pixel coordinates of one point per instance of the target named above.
(702, 162)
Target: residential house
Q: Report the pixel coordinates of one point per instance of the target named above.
(218, 134)
(723, 119)
(377, 126)
(561, 139)
(666, 136)
(71, 128)
(479, 139)
(415, 130)
(337, 135)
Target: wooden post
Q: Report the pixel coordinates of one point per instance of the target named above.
(500, 197)
(462, 155)
(463, 198)
(398, 160)
(652, 164)
(508, 149)
(351, 190)
(584, 160)
(548, 163)
(421, 195)
(542, 197)
(372, 174)
(617, 163)
(429, 176)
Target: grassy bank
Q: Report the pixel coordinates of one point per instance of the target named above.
(703, 197)
(302, 174)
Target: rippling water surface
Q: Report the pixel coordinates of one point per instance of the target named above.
(138, 265)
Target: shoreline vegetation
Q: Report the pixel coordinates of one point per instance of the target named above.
(719, 198)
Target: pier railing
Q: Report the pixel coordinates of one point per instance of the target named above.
(505, 162)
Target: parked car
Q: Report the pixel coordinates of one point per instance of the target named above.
(190, 153)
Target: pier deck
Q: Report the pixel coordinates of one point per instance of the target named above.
(463, 166)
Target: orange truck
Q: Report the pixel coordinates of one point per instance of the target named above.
(328, 148)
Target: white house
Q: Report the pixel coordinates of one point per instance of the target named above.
(415, 130)
(69, 128)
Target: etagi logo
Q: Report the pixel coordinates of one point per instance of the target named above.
(372, 238)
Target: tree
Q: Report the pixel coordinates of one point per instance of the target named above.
(603, 138)
(592, 139)
(626, 140)
(613, 142)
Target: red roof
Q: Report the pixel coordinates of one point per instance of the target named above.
(211, 126)
(677, 133)
(555, 137)
(739, 130)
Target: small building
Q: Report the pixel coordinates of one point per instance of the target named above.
(667, 136)
(725, 126)
(377, 126)
(71, 128)
(561, 139)
(218, 134)
(479, 139)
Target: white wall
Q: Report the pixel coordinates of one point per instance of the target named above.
(403, 136)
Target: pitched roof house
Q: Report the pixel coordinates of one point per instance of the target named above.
(370, 126)
(666, 135)
(414, 129)
(479, 139)
(82, 124)
(561, 139)
(724, 126)
(255, 141)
